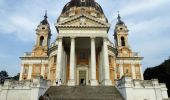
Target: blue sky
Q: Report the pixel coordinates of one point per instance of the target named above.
(147, 20)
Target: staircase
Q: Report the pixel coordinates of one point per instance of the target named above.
(83, 93)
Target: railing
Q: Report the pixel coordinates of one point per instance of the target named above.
(135, 54)
(53, 44)
(27, 54)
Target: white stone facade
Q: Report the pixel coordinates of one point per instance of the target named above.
(141, 89)
(23, 90)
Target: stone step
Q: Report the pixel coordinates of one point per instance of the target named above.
(83, 93)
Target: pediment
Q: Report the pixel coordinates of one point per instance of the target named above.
(83, 21)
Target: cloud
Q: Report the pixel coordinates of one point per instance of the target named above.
(153, 26)
(20, 26)
(141, 6)
(24, 28)
(151, 38)
(147, 20)
(23, 22)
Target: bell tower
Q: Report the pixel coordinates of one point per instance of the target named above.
(43, 33)
(121, 34)
(121, 38)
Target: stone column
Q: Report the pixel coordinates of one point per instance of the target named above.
(42, 70)
(121, 70)
(107, 80)
(93, 81)
(64, 68)
(115, 70)
(59, 59)
(133, 71)
(21, 72)
(49, 72)
(30, 71)
(141, 73)
(71, 81)
(100, 68)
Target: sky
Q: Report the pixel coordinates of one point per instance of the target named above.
(148, 22)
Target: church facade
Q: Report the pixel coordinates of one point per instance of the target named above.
(82, 52)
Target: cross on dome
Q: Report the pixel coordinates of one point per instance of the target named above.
(45, 17)
(45, 22)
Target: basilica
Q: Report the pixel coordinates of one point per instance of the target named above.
(83, 60)
(82, 52)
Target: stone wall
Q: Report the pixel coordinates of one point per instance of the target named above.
(0, 89)
(23, 90)
(141, 89)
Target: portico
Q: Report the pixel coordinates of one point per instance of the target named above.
(82, 54)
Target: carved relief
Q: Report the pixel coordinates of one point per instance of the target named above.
(39, 51)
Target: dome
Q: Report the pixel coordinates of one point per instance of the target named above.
(45, 21)
(120, 22)
(82, 3)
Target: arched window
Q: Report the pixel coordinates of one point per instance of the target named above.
(41, 41)
(122, 41)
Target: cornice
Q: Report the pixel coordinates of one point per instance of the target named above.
(81, 26)
(129, 58)
(34, 58)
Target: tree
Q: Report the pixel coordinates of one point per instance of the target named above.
(3, 76)
(161, 72)
(16, 77)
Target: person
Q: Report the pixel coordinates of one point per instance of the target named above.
(47, 97)
(60, 82)
(84, 82)
(56, 82)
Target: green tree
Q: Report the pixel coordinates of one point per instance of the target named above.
(3, 76)
(16, 77)
(160, 72)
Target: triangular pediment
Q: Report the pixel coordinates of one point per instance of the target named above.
(83, 21)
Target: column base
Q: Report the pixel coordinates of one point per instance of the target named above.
(71, 83)
(106, 82)
(94, 83)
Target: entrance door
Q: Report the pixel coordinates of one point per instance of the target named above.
(82, 77)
